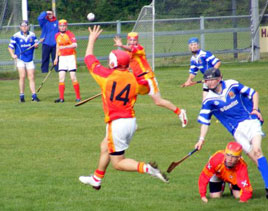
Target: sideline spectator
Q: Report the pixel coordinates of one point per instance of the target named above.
(19, 43)
(49, 25)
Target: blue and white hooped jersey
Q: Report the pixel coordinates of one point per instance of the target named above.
(202, 61)
(232, 106)
(20, 43)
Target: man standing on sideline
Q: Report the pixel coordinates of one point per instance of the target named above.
(237, 107)
(140, 65)
(200, 60)
(66, 60)
(119, 92)
(226, 166)
(19, 43)
(49, 26)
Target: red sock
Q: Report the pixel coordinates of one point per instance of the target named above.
(61, 89)
(99, 174)
(77, 90)
(177, 111)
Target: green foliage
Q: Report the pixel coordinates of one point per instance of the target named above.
(45, 147)
(76, 11)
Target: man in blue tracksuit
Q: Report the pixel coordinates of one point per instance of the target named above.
(49, 26)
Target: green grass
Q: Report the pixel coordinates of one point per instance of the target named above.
(45, 147)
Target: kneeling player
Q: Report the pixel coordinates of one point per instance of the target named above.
(226, 166)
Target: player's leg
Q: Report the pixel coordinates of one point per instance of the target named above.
(45, 58)
(159, 101)
(235, 190)
(95, 179)
(216, 187)
(22, 74)
(62, 73)
(249, 135)
(72, 67)
(30, 74)
(76, 85)
(120, 133)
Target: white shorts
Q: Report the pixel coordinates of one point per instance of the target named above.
(67, 63)
(153, 84)
(245, 132)
(119, 133)
(27, 65)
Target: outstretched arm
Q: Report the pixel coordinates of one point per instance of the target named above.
(93, 36)
(203, 133)
(189, 81)
(118, 43)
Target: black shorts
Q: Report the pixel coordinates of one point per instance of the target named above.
(215, 187)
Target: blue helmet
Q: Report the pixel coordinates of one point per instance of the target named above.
(193, 40)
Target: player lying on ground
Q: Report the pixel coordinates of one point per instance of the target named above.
(119, 92)
(237, 107)
(226, 166)
(139, 65)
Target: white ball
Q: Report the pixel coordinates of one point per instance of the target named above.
(90, 16)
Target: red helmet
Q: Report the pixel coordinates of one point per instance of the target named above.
(234, 149)
(119, 58)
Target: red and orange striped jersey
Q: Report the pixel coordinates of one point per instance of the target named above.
(64, 39)
(119, 89)
(139, 63)
(237, 175)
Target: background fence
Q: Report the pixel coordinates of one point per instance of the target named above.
(228, 37)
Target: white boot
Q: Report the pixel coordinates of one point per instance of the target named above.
(183, 118)
(91, 180)
(155, 172)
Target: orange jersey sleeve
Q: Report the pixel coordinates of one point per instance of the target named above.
(119, 89)
(64, 39)
(235, 176)
(139, 63)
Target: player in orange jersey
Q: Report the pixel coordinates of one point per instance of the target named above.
(140, 65)
(119, 89)
(66, 59)
(226, 166)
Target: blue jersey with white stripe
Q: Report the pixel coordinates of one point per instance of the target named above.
(19, 43)
(232, 106)
(202, 61)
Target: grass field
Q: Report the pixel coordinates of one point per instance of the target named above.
(45, 147)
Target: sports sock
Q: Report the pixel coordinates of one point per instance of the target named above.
(21, 95)
(177, 111)
(98, 175)
(142, 168)
(34, 96)
(77, 89)
(263, 168)
(61, 89)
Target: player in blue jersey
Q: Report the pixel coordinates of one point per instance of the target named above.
(237, 107)
(18, 45)
(200, 60)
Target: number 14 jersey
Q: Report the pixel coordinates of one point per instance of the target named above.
(119, 89)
